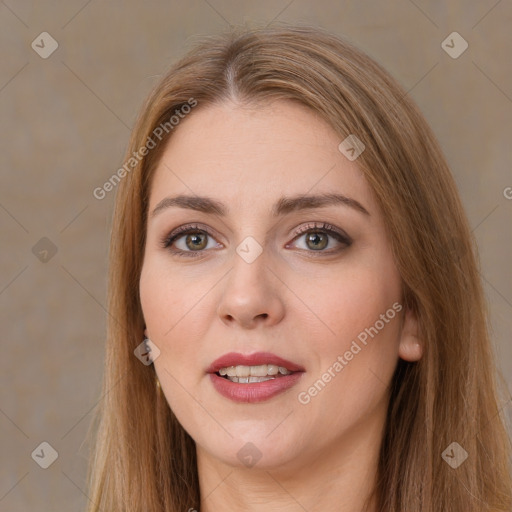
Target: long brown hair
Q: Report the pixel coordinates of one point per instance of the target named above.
(143, 459)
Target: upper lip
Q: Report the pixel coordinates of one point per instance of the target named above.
(256, 359)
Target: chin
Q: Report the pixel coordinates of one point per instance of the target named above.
(258, 451)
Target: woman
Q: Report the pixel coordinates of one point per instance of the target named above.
(289, 243)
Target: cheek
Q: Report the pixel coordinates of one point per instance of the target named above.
(360, 344)
(164, 298)
(168, 312)
(354, 365)
(352, 302)
(153, 299)
(175, 316)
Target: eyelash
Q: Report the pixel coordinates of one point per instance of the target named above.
(167, 240)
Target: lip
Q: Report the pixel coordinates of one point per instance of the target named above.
(256, 359)
(255, 392)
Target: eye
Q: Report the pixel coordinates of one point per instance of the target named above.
(192, 240)
(189, 240)
(317, 237)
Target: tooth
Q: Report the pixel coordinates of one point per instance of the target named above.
(231, 371)
(272, 369)
(284, 371)
(223, 371)
(243, 371)
(243, 380)
(259, 371)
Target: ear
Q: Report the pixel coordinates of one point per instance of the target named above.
(411, 345)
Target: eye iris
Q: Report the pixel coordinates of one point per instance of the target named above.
(195, 239)
(315, 238)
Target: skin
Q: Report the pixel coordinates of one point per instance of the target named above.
(294, 300)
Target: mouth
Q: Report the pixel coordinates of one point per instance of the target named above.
(253, 378)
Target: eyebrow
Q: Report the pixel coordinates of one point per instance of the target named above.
(283, 205)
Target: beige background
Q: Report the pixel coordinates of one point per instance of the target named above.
(65, 122)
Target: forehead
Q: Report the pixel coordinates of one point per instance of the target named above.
(246, 155)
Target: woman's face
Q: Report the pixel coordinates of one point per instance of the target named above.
(249, 278)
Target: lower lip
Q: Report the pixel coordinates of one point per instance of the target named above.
(256, 391)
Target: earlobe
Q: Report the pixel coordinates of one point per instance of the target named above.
(411, 351)
(411, 344)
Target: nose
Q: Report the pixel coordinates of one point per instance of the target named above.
(251, 295)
